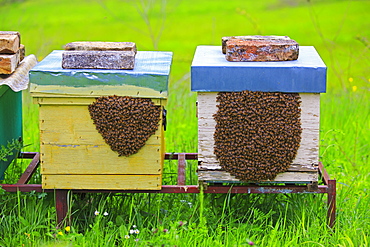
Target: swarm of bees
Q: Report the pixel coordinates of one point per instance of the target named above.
(257, 134)
(124, 122)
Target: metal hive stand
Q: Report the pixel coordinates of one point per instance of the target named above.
(328, 187)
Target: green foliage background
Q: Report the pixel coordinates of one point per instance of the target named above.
(338, 29)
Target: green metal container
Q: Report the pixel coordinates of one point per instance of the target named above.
(10, 121)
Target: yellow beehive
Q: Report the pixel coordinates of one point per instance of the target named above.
(73, 153)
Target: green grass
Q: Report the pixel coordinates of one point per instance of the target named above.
(339, 30)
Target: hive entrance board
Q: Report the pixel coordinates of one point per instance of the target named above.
(303, 169)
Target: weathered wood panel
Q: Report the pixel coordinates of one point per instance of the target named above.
(102, 182)
(222, 176)
(307, 155)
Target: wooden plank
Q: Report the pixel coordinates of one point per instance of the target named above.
(87, 159)
(292, 177)
(292, 168)
(8, 63)
(68, 100)
(92, 90)
(9, 42)
(308, 152)
(102, 182)
(207, 107)
(72, 125)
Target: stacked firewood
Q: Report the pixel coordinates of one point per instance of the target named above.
(11, 51)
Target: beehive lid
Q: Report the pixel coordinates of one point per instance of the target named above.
(148, 79)
(211, 72)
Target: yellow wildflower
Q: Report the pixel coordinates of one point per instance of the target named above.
(67, 228)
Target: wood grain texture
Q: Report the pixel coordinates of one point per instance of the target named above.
(50, 99)
(307, 156)
(103, 182)
(98, 159)
(71, 146)
(222, 176)
(9, 42)
(8, 63)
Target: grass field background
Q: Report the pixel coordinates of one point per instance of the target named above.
(339, 30)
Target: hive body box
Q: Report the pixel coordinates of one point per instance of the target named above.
(73, 153)
(10, 121)
(211, 73)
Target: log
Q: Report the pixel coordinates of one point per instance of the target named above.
(8, 63)
(9, 42)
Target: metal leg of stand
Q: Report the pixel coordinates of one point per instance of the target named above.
(332, 195)
(61, 205)
(181, 164)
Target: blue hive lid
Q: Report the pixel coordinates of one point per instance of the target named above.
(211, 72)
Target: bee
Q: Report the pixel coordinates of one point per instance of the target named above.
(257, 134)
(124, 122)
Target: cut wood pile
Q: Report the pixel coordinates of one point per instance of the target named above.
(11, 51)
(14, 66)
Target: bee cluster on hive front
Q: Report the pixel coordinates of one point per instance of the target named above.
(124, 122)
(257, 134)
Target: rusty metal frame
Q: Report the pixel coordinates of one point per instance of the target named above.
(61, 196)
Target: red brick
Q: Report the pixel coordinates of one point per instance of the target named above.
(251, 37)
(239, 50)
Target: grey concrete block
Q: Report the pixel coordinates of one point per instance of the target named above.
(98, 60)
(101, 46)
